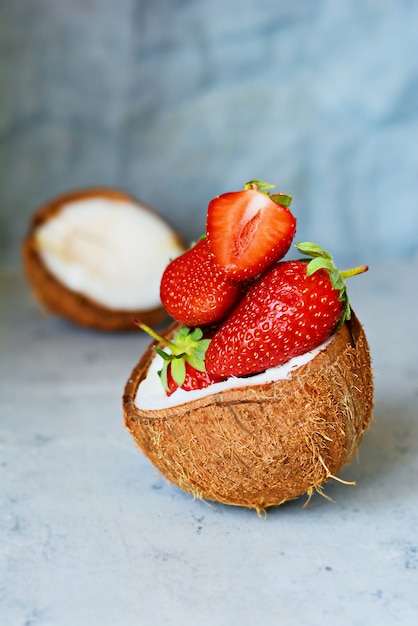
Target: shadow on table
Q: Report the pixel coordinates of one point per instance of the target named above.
(380, 471)
(384, 461)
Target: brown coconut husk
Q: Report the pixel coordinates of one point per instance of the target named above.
(260, 446)
(56, 297)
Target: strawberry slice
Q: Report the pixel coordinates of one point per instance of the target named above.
(249, 230)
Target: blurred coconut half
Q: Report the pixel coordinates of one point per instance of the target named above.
(262, 444)
(96, 257)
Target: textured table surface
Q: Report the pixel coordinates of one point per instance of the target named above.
(92, 535)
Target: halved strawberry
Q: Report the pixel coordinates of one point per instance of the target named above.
(195, 291)
(291, 309)
(249, 230)
(183, 360)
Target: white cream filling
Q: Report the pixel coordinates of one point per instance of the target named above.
(151, 396)
(112, 251)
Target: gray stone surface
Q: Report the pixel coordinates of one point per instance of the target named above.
(91, 534)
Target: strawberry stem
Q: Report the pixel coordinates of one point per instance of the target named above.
(168, 344)
(259, 185)
(322, 260)
(354, 271)
(263, 187)
(188, 346)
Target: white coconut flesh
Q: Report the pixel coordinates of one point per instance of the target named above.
(151, 395)
(112, 251)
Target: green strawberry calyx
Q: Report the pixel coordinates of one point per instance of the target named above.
(263, 187)
(187, 346)
(321, 259)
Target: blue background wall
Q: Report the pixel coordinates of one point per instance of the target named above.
(179, 100)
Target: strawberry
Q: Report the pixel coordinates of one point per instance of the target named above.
(193, 379)
(249, 230)
(183, 359)
(294, 307)
(194, 290)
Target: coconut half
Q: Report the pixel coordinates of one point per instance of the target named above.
(260, 445)
(96, 257)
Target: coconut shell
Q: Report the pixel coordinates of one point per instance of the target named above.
(56, 297)
(262, 445)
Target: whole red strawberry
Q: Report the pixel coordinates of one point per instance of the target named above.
(183, 360)
(294, 307)
(249, 230)
(194, 290)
